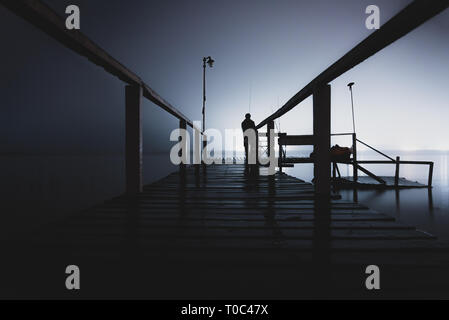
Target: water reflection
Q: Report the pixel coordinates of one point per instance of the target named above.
(426, 209)
(322, 243)
(411, 206)
(36, 190)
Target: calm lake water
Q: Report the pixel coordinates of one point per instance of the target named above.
(429, 211)
(36, 190)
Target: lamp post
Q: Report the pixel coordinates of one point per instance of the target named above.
(209, 61)
(352, 104)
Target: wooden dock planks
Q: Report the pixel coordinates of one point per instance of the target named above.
(234, 231)
(223, 208)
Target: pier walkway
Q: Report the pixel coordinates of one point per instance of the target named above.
(219, 233)
(224, 208)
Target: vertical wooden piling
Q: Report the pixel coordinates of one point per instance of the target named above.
(396, 175)
(133, 140)
(322, 170)
(429, 182)
(270, 126)
(280, 158)
(322, 134)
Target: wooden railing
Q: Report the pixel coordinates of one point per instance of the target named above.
(408, 19)
(397, 162)
(43, 17)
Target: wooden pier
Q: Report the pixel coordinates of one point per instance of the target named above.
(219, 231)
(224, 207)
(222, 233)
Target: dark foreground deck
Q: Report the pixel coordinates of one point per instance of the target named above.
(224, 234)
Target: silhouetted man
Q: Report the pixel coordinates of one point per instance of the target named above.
(249, 124)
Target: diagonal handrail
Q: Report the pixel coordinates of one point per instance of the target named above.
(374, 149)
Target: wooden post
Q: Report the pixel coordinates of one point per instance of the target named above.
(280, 158)
(396, 175)
(183, 126)
(270, 126)
(133, 143)
(257, 148)
(322, 135)
(355, 176)
(322, 171)
(429, 183)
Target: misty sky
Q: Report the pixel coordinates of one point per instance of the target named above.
(56, 101)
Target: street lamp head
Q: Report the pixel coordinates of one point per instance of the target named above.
(350, 85)
(210, 61)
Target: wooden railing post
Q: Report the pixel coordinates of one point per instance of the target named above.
(270, 126)
(280, 158)
(429, 182)
(396, 175)
(322, 134)
(133, 143)
(322, 170)
(355, 174)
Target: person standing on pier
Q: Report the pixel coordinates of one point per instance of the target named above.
(249, 124)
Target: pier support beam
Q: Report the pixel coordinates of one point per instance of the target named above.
(270, 126)
(322, 171)
(280, 158)
(396, 175)
(133, 143)
(429, 182)
(322, 134)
